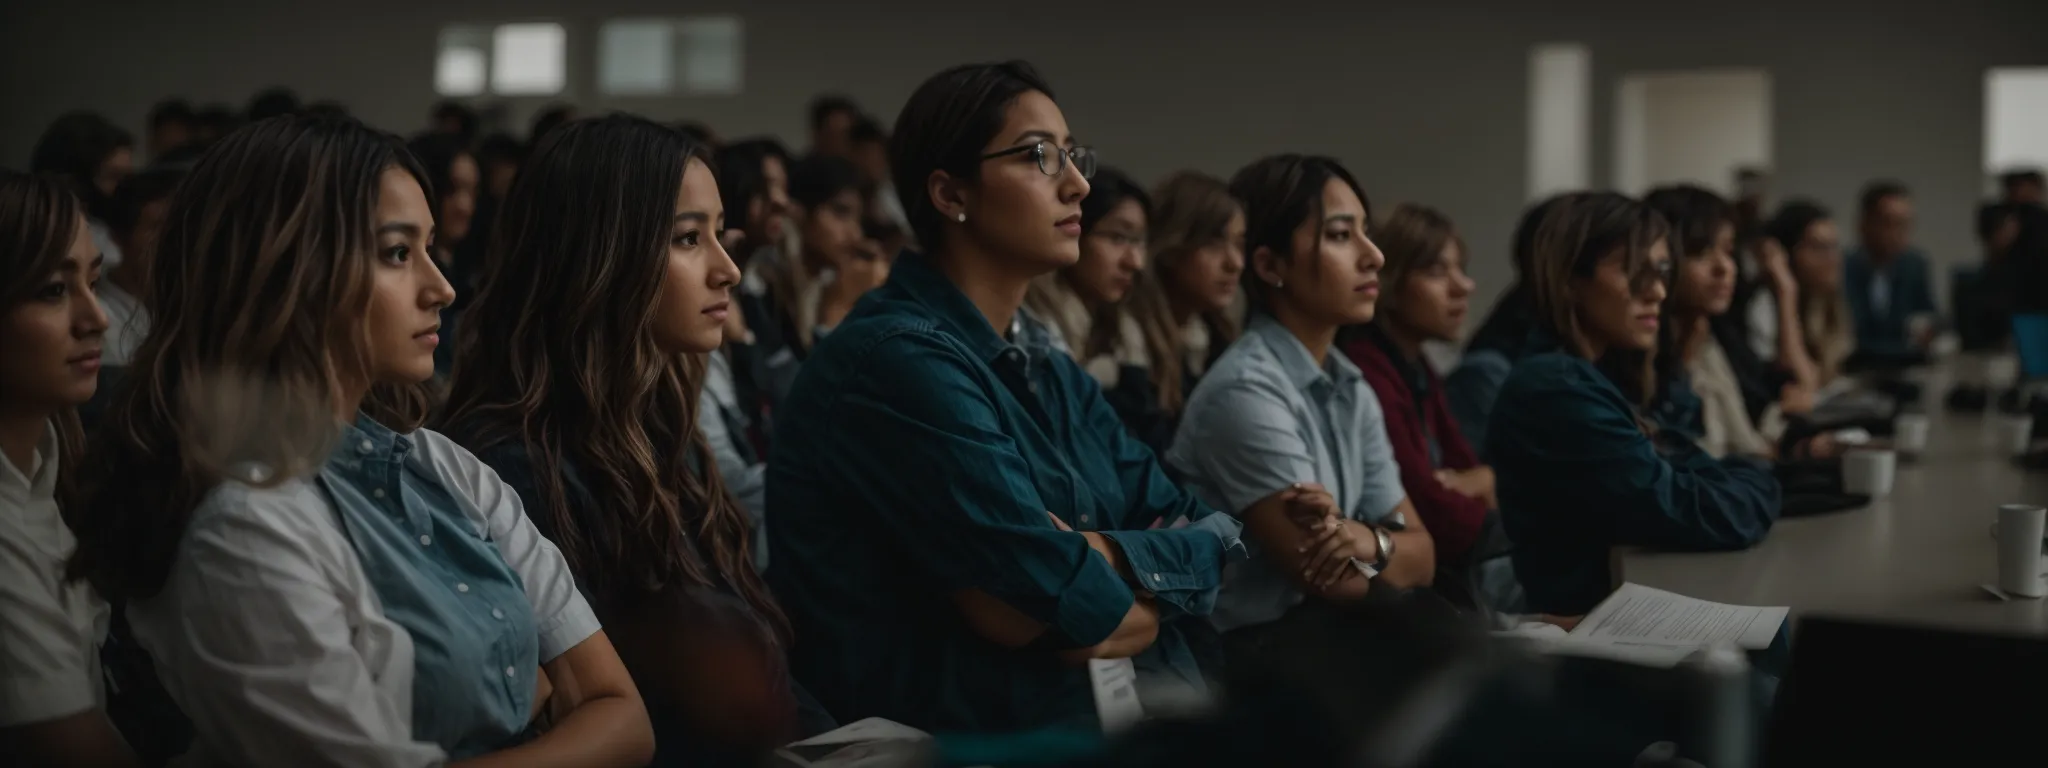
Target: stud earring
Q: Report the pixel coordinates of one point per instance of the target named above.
(1279, 284)
(962, 218)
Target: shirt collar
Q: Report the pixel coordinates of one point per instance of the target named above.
(365, 441)
(1295, 360)
(915, 275)
(39, 478)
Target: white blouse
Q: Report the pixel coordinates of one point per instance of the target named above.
(50, 630)
(271, 639)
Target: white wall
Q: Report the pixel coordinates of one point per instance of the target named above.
(1690, 128)
(1426, 101)
(1560, 119)
(2015, 119)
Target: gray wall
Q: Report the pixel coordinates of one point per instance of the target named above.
(1425, 101)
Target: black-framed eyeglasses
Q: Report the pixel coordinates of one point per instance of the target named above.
(1052, 159)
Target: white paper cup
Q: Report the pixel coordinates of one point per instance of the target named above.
(1869, 473)
(2001, 370)
(1909, 433)
(2015, 434)
(2019, 550)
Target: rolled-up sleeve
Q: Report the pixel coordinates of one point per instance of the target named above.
(1182, 567)
(921, 441)
(253, 641)
(560, 613)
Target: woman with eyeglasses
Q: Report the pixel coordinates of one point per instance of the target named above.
(1031, 534)
(1579, 468)
(1086, 303)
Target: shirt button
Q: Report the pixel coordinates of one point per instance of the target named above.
(462, 587)
(497, 614)
(1084, 518)
(426, 540)
(510, 672)
(377, 493)
(366, 446)
(1156, 578)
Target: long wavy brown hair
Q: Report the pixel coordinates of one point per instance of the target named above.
(258, 299)
(1190, 211)
(39, 217)
(558, 355)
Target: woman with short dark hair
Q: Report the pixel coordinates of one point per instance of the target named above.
(1031, 534)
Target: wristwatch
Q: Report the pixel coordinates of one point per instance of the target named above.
(1386, 547)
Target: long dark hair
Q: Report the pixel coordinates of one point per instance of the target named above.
(1824, 316)
(39, 217)
(558, 355)
(1507, 324)
(741, 168)
(1573, 239)
(1107, 190)
(262, 278)
(1696, 216)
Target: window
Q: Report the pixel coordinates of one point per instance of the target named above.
(463, 63)
(635, 58)
(2015, 119)
(653, 57)
(527, 59)
(1560, 101)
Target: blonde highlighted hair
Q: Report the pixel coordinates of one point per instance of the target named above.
(1190, 211)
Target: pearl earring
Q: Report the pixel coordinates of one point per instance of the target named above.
(962, 218)
(1279, 284)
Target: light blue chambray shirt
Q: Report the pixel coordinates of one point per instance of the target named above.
(464, 606)
(1265, 417)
